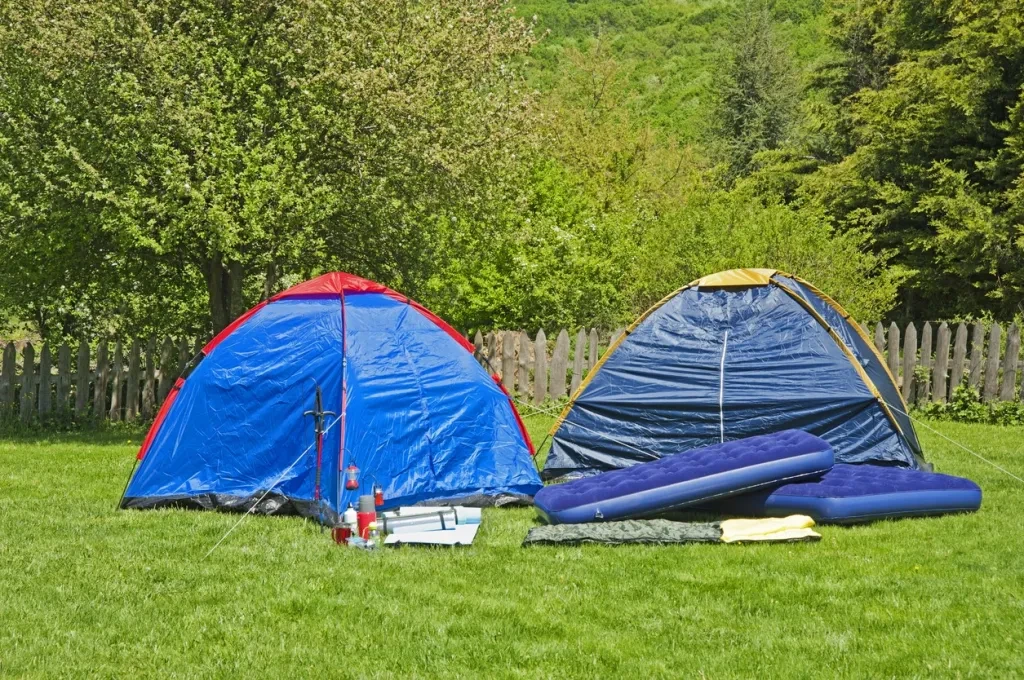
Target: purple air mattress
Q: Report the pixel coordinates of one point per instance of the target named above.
(849, 494)
(687, 479)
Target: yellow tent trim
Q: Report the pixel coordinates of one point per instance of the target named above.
(737, 278)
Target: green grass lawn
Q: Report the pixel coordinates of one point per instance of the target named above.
(89, 590)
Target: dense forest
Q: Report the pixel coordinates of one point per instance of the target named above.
(165, 165)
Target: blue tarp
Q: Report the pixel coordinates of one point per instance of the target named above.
(422, 418)
(714, 363)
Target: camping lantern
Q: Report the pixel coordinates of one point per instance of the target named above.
(378, 495)
(352, 477)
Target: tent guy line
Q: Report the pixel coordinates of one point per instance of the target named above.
(269, 489)
(953, 441)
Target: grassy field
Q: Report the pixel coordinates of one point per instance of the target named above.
(87, 590)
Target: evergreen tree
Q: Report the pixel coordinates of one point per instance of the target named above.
(757, 97)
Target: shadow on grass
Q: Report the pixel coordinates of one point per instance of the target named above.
(71, 432)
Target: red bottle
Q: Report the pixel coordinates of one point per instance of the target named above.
(367, 513)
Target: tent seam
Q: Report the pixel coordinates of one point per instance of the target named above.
(344, 369)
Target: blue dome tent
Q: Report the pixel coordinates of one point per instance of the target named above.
(415, 412)
(734, 354)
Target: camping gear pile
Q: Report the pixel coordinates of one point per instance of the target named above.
(747, 392)
(697, 382)
(415, 525)
(786, 474)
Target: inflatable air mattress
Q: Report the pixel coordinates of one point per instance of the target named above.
(686, 479)
(849, 494)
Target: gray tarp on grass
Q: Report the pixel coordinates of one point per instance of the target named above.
(656, 531)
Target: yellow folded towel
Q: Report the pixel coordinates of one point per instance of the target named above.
(792, 528)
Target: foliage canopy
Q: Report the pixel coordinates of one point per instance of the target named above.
(165, 165)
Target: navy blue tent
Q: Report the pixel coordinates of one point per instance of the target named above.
(734, 354)
(415, 412)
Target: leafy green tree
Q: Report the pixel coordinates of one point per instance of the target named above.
(155, 153)
(617, 214)
(919, 138)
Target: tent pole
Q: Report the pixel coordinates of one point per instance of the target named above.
(344, 399)
(128, 481)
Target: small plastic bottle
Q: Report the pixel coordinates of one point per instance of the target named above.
(348, 523)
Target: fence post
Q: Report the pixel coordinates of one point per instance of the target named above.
(909, 361)
(559, 364)
(579, 363)
(131, 401)
(494, 365)
(28, 370)
(880, 337)
(941, 363)
(956, 375)
(478, 347)
(593, 348)
(894, 352)
(992, 364)
(523, 375)
(149, 383)
(977, 355)
(183, 356)
(99, 397)
(508, 361)
(925, 362)
(1009, 385)
(63, 377)
(540, 368)
(168, 370)
(7, 382)
(615, 336)
(45, 369)
(82, 380)
(117, 380)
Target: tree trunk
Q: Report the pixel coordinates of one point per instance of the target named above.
(236, 304)
(224, 289)
(217, 293)
(270, 281)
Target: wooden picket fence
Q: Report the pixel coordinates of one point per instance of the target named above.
(127, 381)
(530, 372)
(981, 359)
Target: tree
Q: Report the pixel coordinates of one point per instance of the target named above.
(150, 150)
(616, 214)
(920, 132)
(756, 97)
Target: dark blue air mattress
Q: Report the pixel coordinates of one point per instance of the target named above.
(849, 494)
(686, 479)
